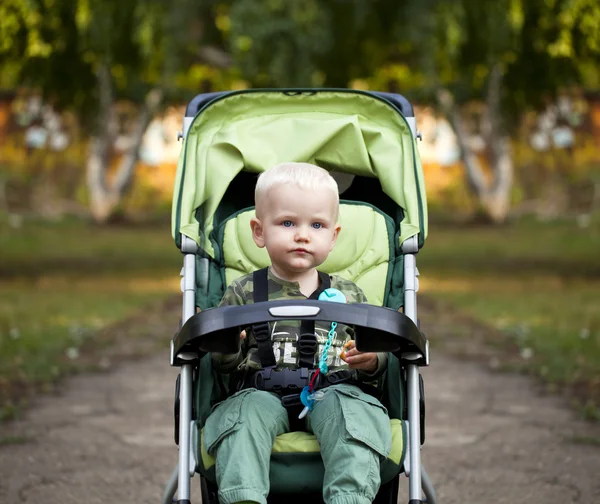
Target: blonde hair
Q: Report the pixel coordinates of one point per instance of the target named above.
(303, 175)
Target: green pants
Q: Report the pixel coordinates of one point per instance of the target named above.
(352, 428)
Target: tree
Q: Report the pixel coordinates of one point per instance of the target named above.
(303, 43)
(117, 60)
(87, 54)
(510, 54)
(514, 54)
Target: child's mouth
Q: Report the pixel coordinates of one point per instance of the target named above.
(301, 251)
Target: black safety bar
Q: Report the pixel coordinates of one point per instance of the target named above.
(376, 329)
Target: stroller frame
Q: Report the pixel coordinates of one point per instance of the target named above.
(180, 480)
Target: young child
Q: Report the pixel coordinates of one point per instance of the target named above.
(297, 222)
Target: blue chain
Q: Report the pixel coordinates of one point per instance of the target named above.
(323, 362)
(307, 396)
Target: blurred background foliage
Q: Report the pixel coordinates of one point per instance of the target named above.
(507, 94)
(488, 68)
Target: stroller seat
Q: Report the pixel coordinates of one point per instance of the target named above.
(296, 465)
(366, 254)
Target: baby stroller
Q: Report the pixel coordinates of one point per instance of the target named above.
(367, 141)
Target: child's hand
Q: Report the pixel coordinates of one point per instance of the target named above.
(367, 361)
(242, 335)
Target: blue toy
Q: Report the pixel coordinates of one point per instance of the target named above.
(334, 295)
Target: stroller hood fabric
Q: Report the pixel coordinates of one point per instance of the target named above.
(344, 132)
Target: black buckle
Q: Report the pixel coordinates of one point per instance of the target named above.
(283, 381)
(342, 376)
(262, 332)
(308, 344)
(258, 378)
(291, 400)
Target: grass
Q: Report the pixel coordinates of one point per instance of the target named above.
(14, 440)
(36, 247)
(538, 284)
(585, 440)
(61, 283)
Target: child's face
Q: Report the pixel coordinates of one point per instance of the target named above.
(297, 227)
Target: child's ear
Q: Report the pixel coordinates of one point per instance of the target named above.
(336, 232)
(257, 232)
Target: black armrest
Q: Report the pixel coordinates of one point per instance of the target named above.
(377, 329)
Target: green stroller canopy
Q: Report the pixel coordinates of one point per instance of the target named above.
(347, 132)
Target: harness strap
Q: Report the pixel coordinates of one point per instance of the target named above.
(307, 341)
(262, 332)
(308, 344)
(289, 382)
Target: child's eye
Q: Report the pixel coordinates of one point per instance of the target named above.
(287, 223)
(317, 225)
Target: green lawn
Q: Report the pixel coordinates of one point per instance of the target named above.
(537, 283)
(60, 283)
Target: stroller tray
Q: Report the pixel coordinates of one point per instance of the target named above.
(377, 329)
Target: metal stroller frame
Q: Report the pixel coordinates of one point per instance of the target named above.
(179, 481)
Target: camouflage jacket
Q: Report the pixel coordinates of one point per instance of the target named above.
(285, 335)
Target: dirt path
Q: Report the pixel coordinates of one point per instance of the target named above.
(107, 438)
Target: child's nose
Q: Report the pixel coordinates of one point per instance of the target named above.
(302, 234)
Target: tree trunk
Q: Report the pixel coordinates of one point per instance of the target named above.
(106, 195)
(494, 194)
